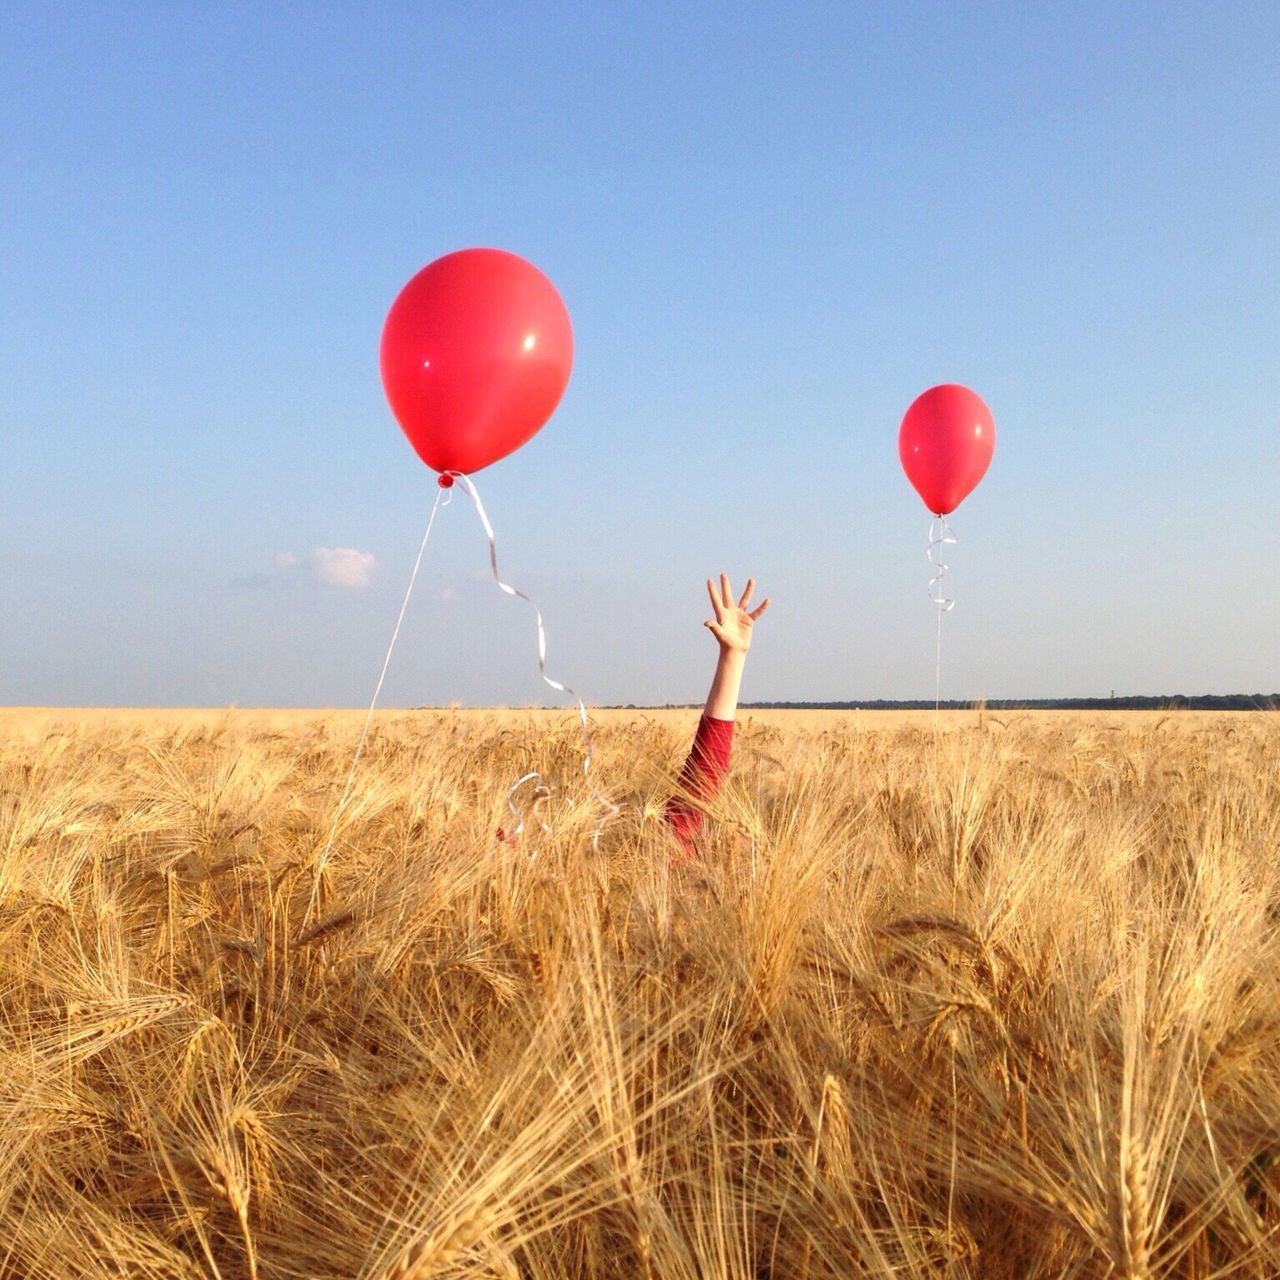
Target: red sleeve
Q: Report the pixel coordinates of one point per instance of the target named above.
(700, 780)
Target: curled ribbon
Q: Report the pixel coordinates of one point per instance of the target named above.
(940, 535)
(540, 793)
(588, 755)
(444, 496)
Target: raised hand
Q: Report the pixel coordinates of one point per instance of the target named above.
(733, 622)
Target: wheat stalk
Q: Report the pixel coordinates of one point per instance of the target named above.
(444, 1246)
(1134, 1244)
(447, 1045)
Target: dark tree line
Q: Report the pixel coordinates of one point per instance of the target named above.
(1162, 702)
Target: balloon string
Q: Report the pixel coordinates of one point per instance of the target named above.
(442, 499)
(937, 670)
(940, 535)
(540, 794)
(588, 746)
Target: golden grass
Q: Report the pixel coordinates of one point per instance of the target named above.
(998, 1001)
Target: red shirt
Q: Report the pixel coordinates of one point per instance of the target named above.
(700, 779)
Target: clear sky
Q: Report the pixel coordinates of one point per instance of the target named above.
(773, 226)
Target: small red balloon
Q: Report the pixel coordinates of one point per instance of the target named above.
(476, 353)
(945, 443)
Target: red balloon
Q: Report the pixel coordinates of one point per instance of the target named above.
(476, 353)
(945, 443)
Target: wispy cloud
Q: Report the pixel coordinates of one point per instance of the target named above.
(334, 566)
(343, 566)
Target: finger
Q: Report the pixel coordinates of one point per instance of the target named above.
(717, 630)
(715, 602)
(746, 595)
(726, 591)
(759, 613)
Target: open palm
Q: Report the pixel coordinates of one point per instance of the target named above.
(733, 622)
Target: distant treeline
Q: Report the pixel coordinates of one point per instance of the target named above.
(1173, 702)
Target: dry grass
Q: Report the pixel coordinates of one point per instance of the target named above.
(997, 1002)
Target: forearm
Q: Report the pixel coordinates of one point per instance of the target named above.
(722, 701)
(700, 780)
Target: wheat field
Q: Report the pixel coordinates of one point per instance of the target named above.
(996, 996)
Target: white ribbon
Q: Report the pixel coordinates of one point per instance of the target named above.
(540, 794)
(588, 746)
(940, 535)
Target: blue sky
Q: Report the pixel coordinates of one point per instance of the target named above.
(773, 226)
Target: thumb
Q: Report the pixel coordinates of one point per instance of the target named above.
(716, 630)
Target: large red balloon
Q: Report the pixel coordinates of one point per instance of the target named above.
(476, 353)
(945, 443)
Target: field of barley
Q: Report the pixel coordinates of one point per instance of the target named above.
(996, 996)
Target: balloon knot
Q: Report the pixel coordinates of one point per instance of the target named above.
(446, 480)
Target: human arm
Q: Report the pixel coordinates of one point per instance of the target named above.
(732, 627)
(708, 760)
